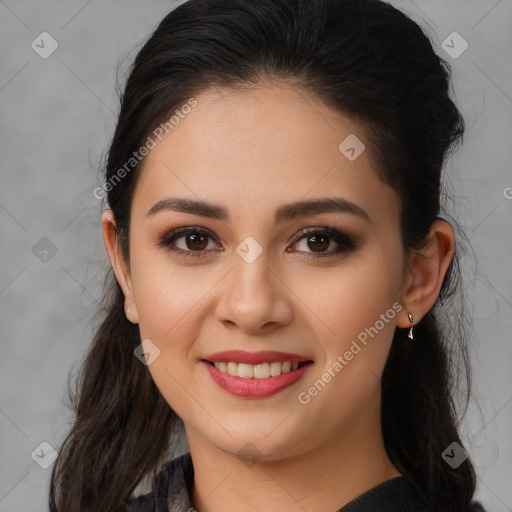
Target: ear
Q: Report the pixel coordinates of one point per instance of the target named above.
(119, 265)
(425, 273)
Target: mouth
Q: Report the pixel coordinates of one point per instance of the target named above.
(257, 374)
(264, 370)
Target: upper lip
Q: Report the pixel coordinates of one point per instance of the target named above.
(263, 356)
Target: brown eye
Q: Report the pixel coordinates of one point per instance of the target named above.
(318, 240)
(194, 244)
(195, 241)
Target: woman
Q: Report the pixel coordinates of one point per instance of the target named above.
(279, 271)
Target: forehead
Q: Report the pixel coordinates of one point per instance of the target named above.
(252, 148)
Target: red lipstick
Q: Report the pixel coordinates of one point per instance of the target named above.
(255, 387)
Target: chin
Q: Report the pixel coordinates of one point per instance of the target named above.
(254, 448)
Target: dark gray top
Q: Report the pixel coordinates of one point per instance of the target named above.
(172, 492)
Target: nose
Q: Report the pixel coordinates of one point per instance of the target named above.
(254, 297)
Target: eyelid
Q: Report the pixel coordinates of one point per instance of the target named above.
(169, 237)
(318, 229)
(346, 242)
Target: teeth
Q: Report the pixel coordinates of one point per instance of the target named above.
(275, 369)
(233, 369)
(258, 371)
(261, 371)
(245, 370)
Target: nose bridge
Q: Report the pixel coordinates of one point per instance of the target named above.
(253, 297)
(251, 279)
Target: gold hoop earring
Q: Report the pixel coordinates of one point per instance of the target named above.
(412, 324)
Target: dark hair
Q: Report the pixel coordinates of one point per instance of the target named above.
(370, 62)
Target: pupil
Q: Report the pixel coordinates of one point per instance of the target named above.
(318, 244)
(196, 239)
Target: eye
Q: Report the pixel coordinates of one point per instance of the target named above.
(317, 240)
(194, 241)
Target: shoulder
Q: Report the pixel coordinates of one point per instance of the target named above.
(400, 494)
(172, 481)
(144, 503)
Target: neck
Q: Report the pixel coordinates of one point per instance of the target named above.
(325, 478)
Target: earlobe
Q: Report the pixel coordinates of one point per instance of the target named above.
(131, 315)
(118, 263)
(427, 269)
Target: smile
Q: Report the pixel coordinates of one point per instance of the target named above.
(258, 374)
(258, 371)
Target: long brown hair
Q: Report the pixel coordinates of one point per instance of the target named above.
(367, 60)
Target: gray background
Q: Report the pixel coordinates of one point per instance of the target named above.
(57, 116)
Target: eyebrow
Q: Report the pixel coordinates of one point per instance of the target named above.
(283, 213)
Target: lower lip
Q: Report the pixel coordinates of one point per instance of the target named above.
(252, 387)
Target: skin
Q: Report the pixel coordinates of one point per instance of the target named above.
(252, 151)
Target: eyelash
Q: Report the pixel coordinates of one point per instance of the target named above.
(346, 244)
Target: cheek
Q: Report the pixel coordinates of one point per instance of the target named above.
(170, 310)
(168, 301)
(350, 299)
(361, 321)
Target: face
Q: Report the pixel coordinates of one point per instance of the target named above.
(323, 284)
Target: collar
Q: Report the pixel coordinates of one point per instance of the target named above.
(172, 492)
